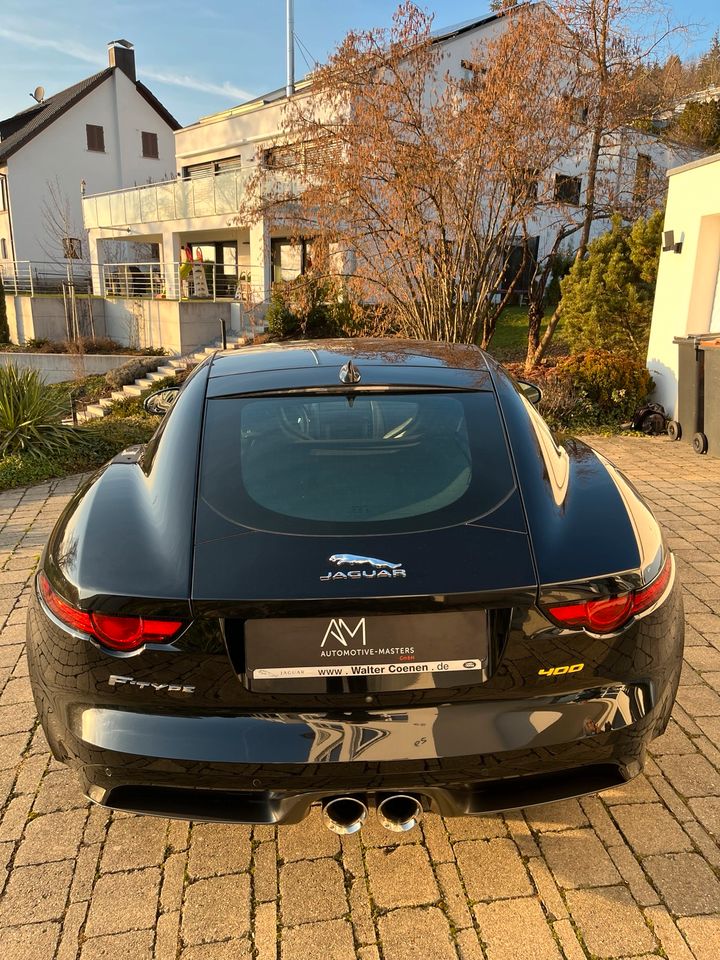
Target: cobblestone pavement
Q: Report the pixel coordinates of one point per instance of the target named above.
(631, 873)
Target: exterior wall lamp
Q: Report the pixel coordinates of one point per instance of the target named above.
(670, 244)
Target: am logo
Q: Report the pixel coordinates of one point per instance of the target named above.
(340, 631)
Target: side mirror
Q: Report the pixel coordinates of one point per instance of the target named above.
(530, 392)
(159, 403)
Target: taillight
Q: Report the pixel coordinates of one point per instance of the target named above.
(609, 613)
(129, 633)
(116, 633)
(76, 619)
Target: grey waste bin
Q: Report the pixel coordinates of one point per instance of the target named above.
(711, 397)
(689, 422)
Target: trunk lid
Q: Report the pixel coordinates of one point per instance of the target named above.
(356, 544)
(430, 612)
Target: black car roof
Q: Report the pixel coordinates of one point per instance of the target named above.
(317, 363)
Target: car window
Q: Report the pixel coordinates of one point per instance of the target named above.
(333, 463)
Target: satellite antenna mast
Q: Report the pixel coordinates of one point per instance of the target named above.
(290, 29)
(39, 94)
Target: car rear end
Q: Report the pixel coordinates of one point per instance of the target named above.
(364, 620)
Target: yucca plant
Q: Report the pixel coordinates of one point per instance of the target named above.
(31, 416)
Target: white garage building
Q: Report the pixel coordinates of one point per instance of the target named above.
(687, 296)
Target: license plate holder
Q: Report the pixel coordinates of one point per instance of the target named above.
(367, 652)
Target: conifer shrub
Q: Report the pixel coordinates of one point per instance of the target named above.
(607, 298)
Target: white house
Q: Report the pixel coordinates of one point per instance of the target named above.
(107, 132)
(687, 295)
(196, 210)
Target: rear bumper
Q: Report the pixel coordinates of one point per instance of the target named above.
(463, 759)
(274, 807)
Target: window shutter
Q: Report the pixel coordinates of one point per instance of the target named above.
(150, 145)
(95, 137)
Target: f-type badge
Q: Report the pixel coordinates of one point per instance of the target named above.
(371, 568)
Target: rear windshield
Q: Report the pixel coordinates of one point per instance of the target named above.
(362, 463)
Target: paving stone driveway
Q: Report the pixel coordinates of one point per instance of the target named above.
(632, 873)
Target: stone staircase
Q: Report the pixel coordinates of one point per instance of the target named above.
(170, 368)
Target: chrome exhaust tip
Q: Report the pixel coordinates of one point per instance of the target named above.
(399, 812)
(344, 815)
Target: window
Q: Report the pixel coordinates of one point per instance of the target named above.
(567, 189)
(196, 170)
(210, 167)
(308, 156)
(335, 464)
(3, 249)
(3, 193)
(150, 145)
(95, 137)
(520, 266)
(643, 171)
(228, 164)
(525, 184)
(289, 258)
(283, 156)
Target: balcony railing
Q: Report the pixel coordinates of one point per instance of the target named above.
(207, 196)
(176, 281)
(172, 200)
(37, 276)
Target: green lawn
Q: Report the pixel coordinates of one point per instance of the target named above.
(509, 343)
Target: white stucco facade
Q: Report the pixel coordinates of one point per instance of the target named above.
(58, 153)
(687, 296)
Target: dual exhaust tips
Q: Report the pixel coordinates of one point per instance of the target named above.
(396, 812)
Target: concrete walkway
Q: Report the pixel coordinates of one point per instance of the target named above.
(632, 873)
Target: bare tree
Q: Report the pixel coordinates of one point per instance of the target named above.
(59, 224)
(421, 172)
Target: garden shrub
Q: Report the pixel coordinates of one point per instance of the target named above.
(99, 442)
(308, 307)
(589, 390)
(131, 371)
(282, 323)
(39, 345)
(93, 443)
(92, 345)
(609, 387)
(89, 345)
(31, 415)
(607, 297)
(561, 404)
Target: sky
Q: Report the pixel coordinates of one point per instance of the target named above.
(200, 58)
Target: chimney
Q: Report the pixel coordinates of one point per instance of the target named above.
(122, 55)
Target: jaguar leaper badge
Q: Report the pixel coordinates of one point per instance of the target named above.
(371, 568)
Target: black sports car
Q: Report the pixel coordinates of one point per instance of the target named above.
(353, 571)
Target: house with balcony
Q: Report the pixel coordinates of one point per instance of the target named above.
(105, 132)
(209, 265)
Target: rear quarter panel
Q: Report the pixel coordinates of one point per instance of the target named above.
(124, 543)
